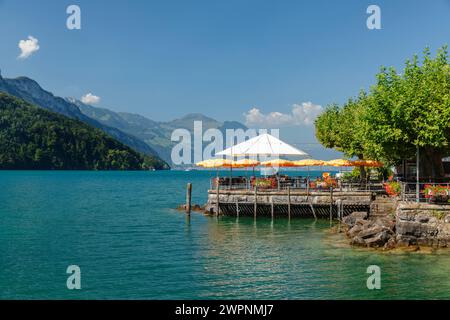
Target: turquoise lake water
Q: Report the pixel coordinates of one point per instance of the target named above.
(121, 229)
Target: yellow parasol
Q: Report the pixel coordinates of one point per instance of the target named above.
(369, 163)
(340, 163)
(278, 163)
(308, 163)
(245, 163)
(215, 163)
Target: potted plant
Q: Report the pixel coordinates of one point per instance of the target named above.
(393, 188)
(437, 193)
(265, 183)
(325, 183)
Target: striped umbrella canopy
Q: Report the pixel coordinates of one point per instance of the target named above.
(369, 163)
(215, 163)
(278, 163)
(245, 163)
(308, 163)
(201, 163)
(262, 145)
(340, 163)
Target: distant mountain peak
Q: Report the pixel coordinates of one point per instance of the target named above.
(29, 81)
(196, 116)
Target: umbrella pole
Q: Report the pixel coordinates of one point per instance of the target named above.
(231, 172)
(217, 177)
(246, 176)
(307, 180)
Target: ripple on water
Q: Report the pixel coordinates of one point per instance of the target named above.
(120, 228)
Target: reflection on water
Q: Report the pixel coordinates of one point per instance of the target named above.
(121, 229)
(301, 259)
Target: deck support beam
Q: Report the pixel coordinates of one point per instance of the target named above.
(218, 197)
(255, 205)
(289, 201)
(271, 208)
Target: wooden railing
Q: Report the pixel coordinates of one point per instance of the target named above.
(293, 183)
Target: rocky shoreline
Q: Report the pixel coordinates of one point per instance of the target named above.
(413, 225)
(368, 232)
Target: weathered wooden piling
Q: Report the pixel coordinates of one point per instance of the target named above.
(217, 198)
(313, 211)
(331, 204)
(307, 189)
(289, 201)
(255, 205)
(272, 211)
(188, 198)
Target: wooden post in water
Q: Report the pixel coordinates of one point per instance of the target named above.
(339, 205)
(217, 197)
(289, 202)
(271, 208)
(307, 189)
(313, 211)
(331, 204)
(188, 198)
(255, 205)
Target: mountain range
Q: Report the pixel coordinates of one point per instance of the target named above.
(138, 132)
(32, 138)
(155, 134)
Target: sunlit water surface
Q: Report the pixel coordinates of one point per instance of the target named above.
(122, 230)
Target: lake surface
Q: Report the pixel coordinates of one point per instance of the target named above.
(121, 229)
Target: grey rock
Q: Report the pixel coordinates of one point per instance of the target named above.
(428, 242)
(357, 241)
(409, 228)
(390, 244)
(359, 215)
(405, 241)
(385, 222)
(447, 218)
(352, 218)
(364, 223)
(406, 215)
(378, 240)
(422, 218)
(355, 230)
(370, 232)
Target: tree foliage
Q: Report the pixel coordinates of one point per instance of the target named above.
(401, 112)
(33, 138)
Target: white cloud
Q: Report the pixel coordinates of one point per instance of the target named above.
(28, 47)
(90, 99)
(301, 114)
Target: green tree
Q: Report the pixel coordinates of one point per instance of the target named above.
(342, 128)
(401, 113)
(34, 138)
(409, 110)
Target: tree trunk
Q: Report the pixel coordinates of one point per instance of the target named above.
(431, 166)
(362, 170)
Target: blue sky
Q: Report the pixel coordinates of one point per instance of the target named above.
(164, 59)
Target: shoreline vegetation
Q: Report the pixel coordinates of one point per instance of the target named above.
(32, 138)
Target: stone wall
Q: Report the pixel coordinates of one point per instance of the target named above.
(280, 197)
(422, 224)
